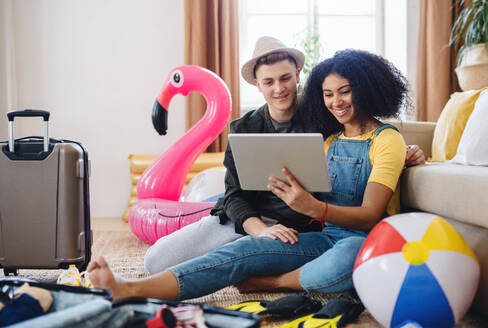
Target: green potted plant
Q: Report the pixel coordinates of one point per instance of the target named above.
(309, 43)
(470, 33)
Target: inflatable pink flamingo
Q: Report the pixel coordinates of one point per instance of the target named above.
(158, 212)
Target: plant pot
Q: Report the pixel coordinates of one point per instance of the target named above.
(472, 72)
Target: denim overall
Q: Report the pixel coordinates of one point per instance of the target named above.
(349, 160)
(327, 259)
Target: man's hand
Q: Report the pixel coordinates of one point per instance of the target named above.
(285, 234)
(292, 193)
(415, 156)
(255, 227)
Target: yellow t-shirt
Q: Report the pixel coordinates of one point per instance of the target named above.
(387, 155)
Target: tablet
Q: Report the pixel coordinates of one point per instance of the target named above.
(260, 155)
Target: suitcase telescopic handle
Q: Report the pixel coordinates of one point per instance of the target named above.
(27, 113)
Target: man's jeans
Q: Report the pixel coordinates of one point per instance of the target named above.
(248, 256)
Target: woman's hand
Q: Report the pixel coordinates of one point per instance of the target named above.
(293, 194)
(415, 156)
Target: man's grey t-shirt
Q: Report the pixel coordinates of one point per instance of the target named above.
(282, 127)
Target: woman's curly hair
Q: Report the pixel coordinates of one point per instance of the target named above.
(379, 89)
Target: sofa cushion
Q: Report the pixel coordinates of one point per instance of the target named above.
(473, 146)
(451, 123)
(416, 133)
(450, 190)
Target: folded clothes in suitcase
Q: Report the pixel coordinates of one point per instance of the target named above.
(44, 201)
(90, 307)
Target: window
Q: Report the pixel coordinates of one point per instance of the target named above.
(378, 26)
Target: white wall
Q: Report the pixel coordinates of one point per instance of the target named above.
(6, 67)
(97, 66)
(3, 77)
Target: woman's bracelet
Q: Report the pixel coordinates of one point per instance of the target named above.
(322, 219)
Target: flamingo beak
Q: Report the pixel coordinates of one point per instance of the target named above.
(160, 118)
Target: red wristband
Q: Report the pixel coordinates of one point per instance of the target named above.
(322, 219)
(325, 212)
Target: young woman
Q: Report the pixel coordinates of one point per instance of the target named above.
(353, 89)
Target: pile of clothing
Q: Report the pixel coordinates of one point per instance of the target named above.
(23, 303)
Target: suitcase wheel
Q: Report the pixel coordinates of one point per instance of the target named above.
(7, 272)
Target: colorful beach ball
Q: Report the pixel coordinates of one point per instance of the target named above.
(416, 266)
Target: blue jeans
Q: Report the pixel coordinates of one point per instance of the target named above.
(327, 262)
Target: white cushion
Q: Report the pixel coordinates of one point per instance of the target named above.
(473, 146)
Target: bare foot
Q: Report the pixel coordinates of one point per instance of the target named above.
(258, 283)
(102, 277)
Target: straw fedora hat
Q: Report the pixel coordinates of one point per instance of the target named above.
(264, 46)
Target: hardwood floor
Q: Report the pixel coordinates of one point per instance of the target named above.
(109, 224)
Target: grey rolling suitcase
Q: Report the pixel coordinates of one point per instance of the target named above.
(44, 201)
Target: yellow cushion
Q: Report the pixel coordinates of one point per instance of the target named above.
(451, 123)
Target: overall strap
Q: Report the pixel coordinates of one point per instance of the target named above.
(384, 126)
(375, 133)
(336, 136)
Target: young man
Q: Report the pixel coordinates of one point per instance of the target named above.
(275, 70)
